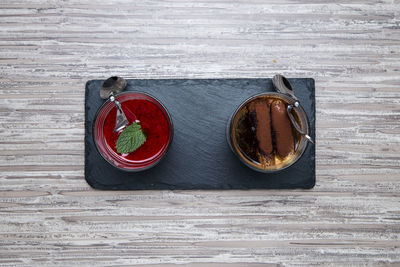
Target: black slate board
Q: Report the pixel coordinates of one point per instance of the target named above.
(199, 156)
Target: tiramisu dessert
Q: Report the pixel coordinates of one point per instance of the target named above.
(262, 133)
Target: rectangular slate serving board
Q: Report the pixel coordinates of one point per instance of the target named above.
(199, 156)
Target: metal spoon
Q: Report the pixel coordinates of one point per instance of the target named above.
(112, 86)
(283, 85)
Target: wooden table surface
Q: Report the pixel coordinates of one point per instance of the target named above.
(51, 217)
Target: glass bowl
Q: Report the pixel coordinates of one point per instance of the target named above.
(155, 121)
(279, 164)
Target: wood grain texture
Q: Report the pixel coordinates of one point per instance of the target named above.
(51, 217)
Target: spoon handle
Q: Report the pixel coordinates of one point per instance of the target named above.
(131, 117)
(295, 124)
(283, 86)
(116, 102)
(120, 119)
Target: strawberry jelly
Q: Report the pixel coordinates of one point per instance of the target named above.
(154, 121)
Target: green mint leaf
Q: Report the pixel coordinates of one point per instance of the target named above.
(131, 138)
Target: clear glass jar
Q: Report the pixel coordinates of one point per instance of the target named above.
(279, 164)
(155, 122)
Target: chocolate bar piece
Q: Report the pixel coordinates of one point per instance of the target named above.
(282, 128)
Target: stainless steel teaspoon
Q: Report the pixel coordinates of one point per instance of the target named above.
(110, 88)
(283, 85)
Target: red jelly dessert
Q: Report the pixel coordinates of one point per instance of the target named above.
(154, 120)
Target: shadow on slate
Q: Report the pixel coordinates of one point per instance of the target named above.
(199, 156)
